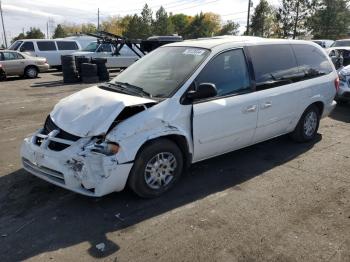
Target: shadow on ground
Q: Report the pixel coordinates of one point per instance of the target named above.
(341, 113)
(37, 217)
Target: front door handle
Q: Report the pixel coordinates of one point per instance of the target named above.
(266, 105)
(250, 109)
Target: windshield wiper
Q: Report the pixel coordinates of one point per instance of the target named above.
(134, 88)
(116, 87)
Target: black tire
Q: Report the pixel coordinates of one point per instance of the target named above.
(137, 177)
(31, 72)
(300, 134)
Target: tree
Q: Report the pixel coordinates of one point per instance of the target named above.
(262, 19)
(19, 37)
(34, 33)
(292, 16)
(162, 25)
(59, 32)
(180, 23)
(133, 30)
(229, 28)
(203, 25)
(147, 20)
(331, 19)
(88, 28)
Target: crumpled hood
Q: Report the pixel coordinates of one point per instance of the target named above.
(91, 112)
(345, 71)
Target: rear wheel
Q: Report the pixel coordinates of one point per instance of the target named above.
(156, 169)
(307, 127)
(31, 72)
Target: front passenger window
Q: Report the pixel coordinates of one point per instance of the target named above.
(228, 71)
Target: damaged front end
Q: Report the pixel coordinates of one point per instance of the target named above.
(81, 161)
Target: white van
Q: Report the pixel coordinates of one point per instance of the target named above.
(51, 49)
(180, 104)
(95, 49)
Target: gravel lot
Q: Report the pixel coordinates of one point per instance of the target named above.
(275, 201)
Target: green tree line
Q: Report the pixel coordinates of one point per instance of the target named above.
(329, 19)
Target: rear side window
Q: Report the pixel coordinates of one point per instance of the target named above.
(312, 61)
(65, 45)
(27, 47)
(274, 65)
(105, 48)
(46, 46)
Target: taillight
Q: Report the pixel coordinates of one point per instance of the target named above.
(337, 84)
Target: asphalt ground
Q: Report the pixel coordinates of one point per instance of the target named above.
(275, 201)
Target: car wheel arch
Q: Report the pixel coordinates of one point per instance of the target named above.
(29, 66)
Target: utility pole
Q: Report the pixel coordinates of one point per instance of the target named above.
(250, 4)
(3, 26)
(47, 30)
(296, 21)
(98, 19)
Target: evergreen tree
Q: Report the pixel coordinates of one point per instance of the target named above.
(35, 33)
(59, 32)
(262, 19)
(180, 22)
(147, 20)
(162, 25)
(292, 16)
(331, 20)
(133, 29)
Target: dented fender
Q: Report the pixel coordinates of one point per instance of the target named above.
(150, 124)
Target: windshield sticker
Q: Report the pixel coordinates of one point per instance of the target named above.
(193, 51)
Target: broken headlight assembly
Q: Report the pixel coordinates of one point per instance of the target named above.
(104, 147)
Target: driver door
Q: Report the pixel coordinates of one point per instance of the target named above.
(228, 121)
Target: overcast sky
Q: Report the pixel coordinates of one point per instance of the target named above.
(21, 14)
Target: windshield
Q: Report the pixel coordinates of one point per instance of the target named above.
(91, 47)
(162, 71)
(341, 43)
(15, 45)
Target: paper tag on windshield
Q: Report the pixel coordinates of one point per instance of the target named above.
(194, 51)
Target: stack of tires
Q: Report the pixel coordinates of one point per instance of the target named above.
(102, 70)
(70, 74)
(78, 61)
(89, 73)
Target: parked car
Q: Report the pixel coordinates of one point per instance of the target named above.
(180, 104)
(16, 63)
(343, 94)
(340, 56)
(51, 49)
(323, 42)
(107, 50)
(341, 43)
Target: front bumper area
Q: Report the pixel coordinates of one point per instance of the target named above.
(86, 173)
(344, 90)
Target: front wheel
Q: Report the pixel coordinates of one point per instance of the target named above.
(31, 72)
(156, 169)
(307, 127)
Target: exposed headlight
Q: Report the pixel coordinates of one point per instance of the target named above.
(106, 148)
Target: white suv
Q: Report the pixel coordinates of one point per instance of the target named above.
(180, 104)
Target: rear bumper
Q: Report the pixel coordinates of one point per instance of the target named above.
(329, 108)
(87, 174)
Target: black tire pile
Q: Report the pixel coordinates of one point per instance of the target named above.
(102, 70)
(84, 69)
(70, 74)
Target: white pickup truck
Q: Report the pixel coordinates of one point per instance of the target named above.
(95, 49)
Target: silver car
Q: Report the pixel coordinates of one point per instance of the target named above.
(16, 63)
(343, 93)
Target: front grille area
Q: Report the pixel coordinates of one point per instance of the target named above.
(43, 171)
(50, 126)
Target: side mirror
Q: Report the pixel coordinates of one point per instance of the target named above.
(204, 90)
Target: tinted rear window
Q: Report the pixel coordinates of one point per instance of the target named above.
(46, 46)
(274, 65)
(64, 45)
(312, 61)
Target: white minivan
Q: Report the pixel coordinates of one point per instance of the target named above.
(182, 103)
(51, 49)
